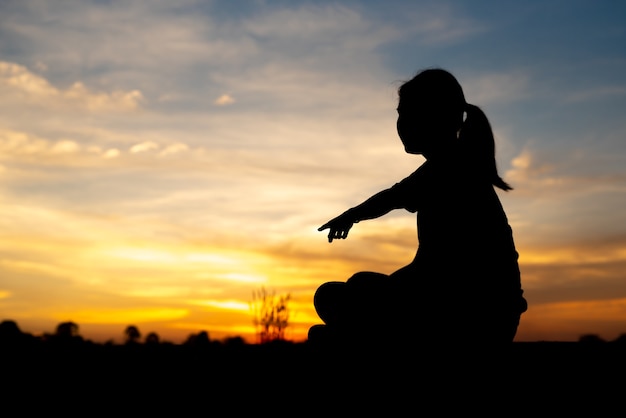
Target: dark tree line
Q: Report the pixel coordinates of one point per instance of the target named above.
(68, 334)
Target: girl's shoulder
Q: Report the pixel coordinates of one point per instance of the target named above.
(423, 178)
(436, 172)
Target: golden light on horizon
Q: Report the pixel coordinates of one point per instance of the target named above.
(169, 273)
(246, 331)
(569, 320)
(120, 316)
(230, 305)
(572, 255)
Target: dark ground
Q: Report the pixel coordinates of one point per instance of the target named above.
(538, 378)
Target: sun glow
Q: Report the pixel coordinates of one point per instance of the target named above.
(215, 258)
(231, 305)
(211, 258)
(143, 255)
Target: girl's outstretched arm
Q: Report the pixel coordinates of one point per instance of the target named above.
(379, 204)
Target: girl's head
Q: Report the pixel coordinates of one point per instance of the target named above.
(434, 118)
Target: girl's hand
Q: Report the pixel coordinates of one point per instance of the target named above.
(338, 227)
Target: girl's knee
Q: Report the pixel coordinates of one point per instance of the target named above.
(329, 300)
(365, 278)
(329, 290)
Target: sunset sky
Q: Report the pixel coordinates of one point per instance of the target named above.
(162, 160)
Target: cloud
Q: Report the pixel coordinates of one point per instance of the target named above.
(557, 174)
(527, 168)
(116, 100)
(174, 149)
(563, 197)
(568, 320)
(19, 78)
(65, 147)
(143, 147)
(307, 23)
(26, 148)
(111, 153)
(493, 88)
(264, 59)
(14, 143)
(20, 84)
(243, 278)
(224, 99)
(596, 94)
(442, 25)
(235, 305)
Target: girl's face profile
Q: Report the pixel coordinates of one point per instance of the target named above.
(406, 131)
(426, 124)
(417, 127)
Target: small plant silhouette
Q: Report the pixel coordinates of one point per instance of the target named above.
(270, 314)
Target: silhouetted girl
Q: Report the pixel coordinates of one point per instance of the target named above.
(463, 286)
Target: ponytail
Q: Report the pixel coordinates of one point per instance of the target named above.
(477, 137)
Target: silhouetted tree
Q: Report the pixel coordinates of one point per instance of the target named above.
(66, 335)
(234, 342)
(152, 338)
(9, 330)
(621, 339)
(11, 335)
(270, 315)
(200, 339)
(132, 334)
(67, 330)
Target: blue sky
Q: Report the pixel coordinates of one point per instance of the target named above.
(161, 160)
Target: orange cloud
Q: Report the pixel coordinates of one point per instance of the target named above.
(224, 100)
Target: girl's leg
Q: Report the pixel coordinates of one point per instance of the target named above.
(331, 304)
(370, 300)
(344, 302)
